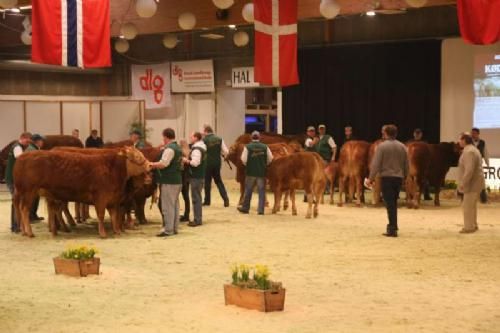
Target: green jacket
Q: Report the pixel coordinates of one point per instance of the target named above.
(140, 144)
(172, 174)
(32, 147)
(214, 150)
(11, 161)
(257, 159)
(198, 172)
(324, 149)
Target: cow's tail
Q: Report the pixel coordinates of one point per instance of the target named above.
(154, 198)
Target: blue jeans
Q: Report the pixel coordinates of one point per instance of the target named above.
(261, 187)
(14, 226)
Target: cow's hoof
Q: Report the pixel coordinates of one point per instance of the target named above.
(294, 213)
(308, 216)
(339, 205)
(331, 202)
(358, 205)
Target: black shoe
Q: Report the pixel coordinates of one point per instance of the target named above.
(206, 204)
(427, 198)
(33, 221)
(36, 218)
(261, 213)
(242, 211)
(226, 203)
(192, 224)
(184, 219)
(162, 234)
(390, 234)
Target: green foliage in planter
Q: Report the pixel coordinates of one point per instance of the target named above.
(253, 277)
(450, 185)
(79, 252)
(137, 125)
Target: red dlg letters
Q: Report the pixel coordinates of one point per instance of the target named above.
(154, 83)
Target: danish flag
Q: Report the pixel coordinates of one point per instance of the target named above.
(71, 33)
(275, 42)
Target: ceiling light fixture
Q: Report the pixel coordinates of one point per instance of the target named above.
(15, 10)
(232, 26)
(371, 13)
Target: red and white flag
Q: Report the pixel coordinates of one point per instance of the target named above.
(71, 33)
(276, 42)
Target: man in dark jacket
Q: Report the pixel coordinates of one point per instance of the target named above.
(94, 141)
(216, 149)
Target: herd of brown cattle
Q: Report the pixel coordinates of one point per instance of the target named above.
(116, 178)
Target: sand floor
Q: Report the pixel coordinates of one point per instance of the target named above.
(341, 275)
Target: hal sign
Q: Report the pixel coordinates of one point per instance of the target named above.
(243, 78)
(492, 174)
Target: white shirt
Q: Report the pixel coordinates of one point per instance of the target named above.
(196, 153)
(166, 157)
(331, 142)
(17, 151)
(244, 155)
(309, 143)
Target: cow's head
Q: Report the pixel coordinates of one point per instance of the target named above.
(455, 152)
(137, 164)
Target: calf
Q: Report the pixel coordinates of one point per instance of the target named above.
(353, 168)
(298, 171)
(443, 156)
(419, 156)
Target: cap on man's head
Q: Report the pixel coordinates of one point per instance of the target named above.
(311, 128)
(321, 126)
(136, 132)
(255, 135)
(37, 137)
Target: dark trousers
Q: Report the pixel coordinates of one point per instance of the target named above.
(213, 172)
(185, 197)
(483, 196)
(14, 226)
(34, 208)
(196, 186)
(391, 186)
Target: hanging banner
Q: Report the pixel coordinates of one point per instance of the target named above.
(193, 76)
(242, 77)
(152, 84)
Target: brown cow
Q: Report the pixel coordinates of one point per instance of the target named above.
(377, 186)
(331, 173)
(302, 170)
(353, 168)
(50, 142)
(98, 180)
(419, 156)
(124, 143)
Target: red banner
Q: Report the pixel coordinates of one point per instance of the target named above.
(276, 42)
(479, 20)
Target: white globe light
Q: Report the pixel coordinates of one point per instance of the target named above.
(223, 4)
(187, 21)
(8, 3)
(241, 38)
(416, 3)
(26, 37)
(247, 12)
(129, 31)
(170, 41)
(122, 45)
(146, 8)
(329, 8)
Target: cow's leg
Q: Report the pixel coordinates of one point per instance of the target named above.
(26, 201)
(292, 198)
(140, 216)
(59, 218)
(376, 192)
(332, 189)
(100, 211)
(115, 220)
(437, 202)
(319, 189)
(51, 217)
(341, 191)
(310, 200)
(285, 201)
(277, 200)
(67, 214)
(359, 184)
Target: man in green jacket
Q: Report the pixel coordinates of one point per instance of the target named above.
(197, 163)
(170, 179)
(35, 144)
(136, 138)
(326, 146)
(256, 157)
(216, 148)
(16, 151)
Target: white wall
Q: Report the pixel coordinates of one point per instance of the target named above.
(457, 94)
(117, 116)
(11, 121)
(43, 117)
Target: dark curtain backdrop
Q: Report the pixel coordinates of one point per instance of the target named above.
(367, 86)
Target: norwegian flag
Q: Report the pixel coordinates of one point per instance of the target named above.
(71, 33)
(276, 42)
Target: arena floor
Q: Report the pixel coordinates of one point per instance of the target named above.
(341, 275)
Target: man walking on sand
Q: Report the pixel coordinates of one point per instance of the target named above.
(391, 163)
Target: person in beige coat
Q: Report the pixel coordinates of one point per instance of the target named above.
(470, 181)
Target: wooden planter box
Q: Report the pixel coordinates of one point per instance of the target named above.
(254, 299)
(76, 267)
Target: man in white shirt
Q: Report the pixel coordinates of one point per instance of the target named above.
(256, 157)
(197, 163)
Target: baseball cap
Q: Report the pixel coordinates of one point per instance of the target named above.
(311, 128)
(255, 135)
(37, 137)
(322, 126)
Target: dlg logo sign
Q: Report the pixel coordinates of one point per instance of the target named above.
(154, 83)
(151, 83)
